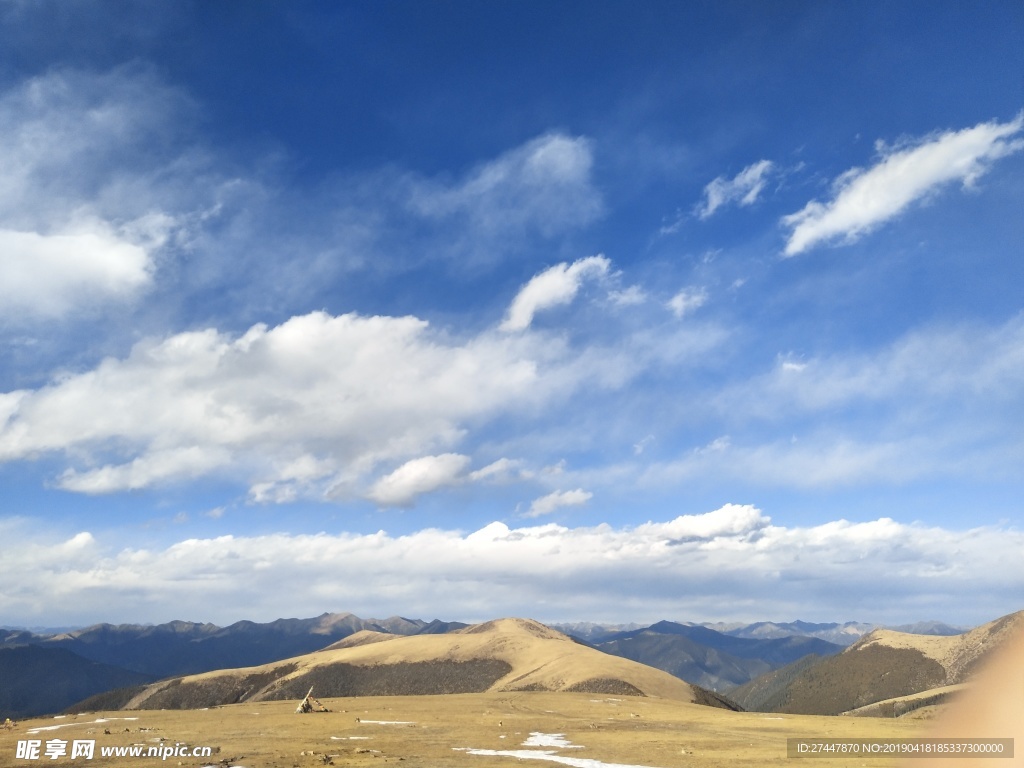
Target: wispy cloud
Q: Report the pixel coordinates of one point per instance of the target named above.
(545, 505)
(687, 301)
(79, 222)
(553, 287)
(743, 189)
(930, 405)
(863, 199)
(968, 366)
(733, 562)
(541, 188)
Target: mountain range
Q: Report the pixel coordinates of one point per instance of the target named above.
(840, 634)
(709, 658)
(70, 666)
(506, 655)
(184, 647)
(762, 666)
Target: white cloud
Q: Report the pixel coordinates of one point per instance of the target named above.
(863, 199)
(497, 471)
(545, 505)
(743, 188)
(416, 477)
(315, 402)
(81, 216)
(314, 407)
(687, 301)
(49, 275)
(628, 297)
(731, 563)
(144, 471)
(553, 287)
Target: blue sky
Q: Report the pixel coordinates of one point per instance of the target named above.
(578, 311)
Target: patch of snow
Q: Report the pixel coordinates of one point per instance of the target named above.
(388, 722)
(557, 740)
(545, 754)
(40, 728)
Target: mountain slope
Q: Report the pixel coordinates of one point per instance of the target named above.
(35, 681)
(502, 655)
(884, 664)
(709, 658)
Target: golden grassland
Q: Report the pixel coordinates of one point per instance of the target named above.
(434, 731)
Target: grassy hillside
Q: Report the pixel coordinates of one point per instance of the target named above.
(506, 655)
(883, 664)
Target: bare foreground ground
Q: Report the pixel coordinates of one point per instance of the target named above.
(436, 731)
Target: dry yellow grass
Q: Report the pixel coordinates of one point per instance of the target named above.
(635, 731)
(884, 708)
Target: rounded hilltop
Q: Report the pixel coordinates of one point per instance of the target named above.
(509, 654)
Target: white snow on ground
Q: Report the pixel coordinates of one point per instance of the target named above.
(387, 722)
(538, 739)
(39, 728)
(344, 738)
(546, 754)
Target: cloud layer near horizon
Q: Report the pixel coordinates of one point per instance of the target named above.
(731, 563)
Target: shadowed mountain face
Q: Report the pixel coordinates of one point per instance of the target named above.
(36, 681)
(708, 658)
(502, 655)
(882, 665)
(852, 680)
(181, 647)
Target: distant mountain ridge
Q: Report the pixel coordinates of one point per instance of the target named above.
(709, 658)
(185, 647)
(843, 634)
